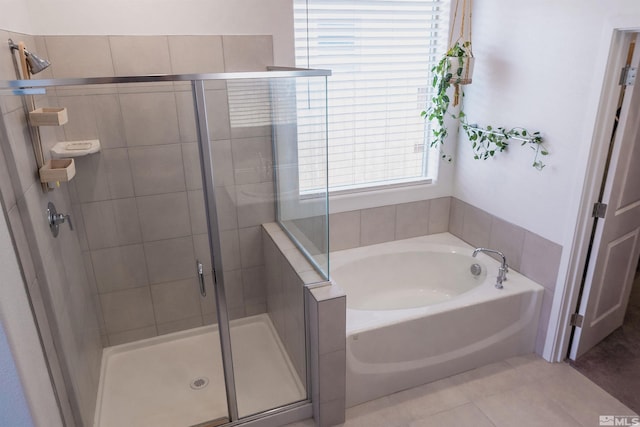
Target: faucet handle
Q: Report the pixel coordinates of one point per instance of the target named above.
(68, 219)
(55, 219)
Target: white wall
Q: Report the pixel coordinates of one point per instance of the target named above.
(15, 16)
(170, 17)
(536, 67)
(17, 321)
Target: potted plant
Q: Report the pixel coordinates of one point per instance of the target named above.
(459, 62)
(455, 69)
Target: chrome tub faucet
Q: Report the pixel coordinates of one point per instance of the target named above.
(504, 268)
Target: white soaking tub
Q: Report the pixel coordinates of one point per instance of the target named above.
(416, 313)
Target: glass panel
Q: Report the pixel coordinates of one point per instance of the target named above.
(268, 322)
(125, 279)
(300, 143)
(138, 212)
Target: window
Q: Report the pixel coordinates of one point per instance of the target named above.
(381, 53)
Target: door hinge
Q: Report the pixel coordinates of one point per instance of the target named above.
(577, 319)
(628, 75)
(599, 210)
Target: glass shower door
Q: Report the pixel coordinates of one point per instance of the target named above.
(168, 227)
(140, 218)
(267, 331)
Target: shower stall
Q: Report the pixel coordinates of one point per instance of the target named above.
(154, 302)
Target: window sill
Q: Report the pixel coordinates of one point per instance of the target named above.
(372, 197)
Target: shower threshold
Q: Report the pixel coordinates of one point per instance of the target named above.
(176, 380)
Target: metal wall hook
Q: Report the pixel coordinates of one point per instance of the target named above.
(55, 219)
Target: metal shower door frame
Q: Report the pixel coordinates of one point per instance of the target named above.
(208, 184)
(288, 413)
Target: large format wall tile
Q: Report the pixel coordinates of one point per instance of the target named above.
(541, 260)
(109, 122)
(377, 225)
(119, 268)
(509, 238)
(247, 53)
(192, 170)
(169, 260)
(82, 122)
(129, 309)
(6, 187)
(477, 226)
(174, 301)
(439, 215)
(255, 204)
(197, 212)
(22, 164)
(157, 170)
(105, 175)
(252, 160)
(344, 230)
(118, 173)
(164, 216)
(224, 164)
(150, 118)
(251, 254)
(87, 56)
(139, 55)
(217, 109)
(196, 54)
(111, 223)
(412, 219)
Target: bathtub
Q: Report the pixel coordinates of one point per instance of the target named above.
(416, 313)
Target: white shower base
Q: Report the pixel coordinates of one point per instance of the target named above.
(147, 383)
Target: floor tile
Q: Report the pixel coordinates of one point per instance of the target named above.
(465, 415)
(305, 423)
(534, 368)
(487, 380)
(521, 391)
(525, 406)
(377, 413)
(428, 399)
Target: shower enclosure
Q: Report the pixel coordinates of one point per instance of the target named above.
(154, 308)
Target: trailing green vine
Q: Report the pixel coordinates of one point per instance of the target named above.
(485, 142)
(489, 141)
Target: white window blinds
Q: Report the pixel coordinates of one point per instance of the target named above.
(381, 53)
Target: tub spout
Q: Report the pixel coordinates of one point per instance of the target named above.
(502, 270)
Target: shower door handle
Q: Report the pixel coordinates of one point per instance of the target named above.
(203, 290)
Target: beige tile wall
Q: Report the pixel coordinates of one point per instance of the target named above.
(322, 332)
(63, 295)
(141, 199)
(285, 280)
(394, 222)
(327, 338)
(534, 256)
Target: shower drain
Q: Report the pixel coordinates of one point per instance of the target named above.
(199, 383)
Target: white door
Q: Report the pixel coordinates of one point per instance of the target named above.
(616, 244)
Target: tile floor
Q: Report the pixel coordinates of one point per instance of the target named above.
(521, 391)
